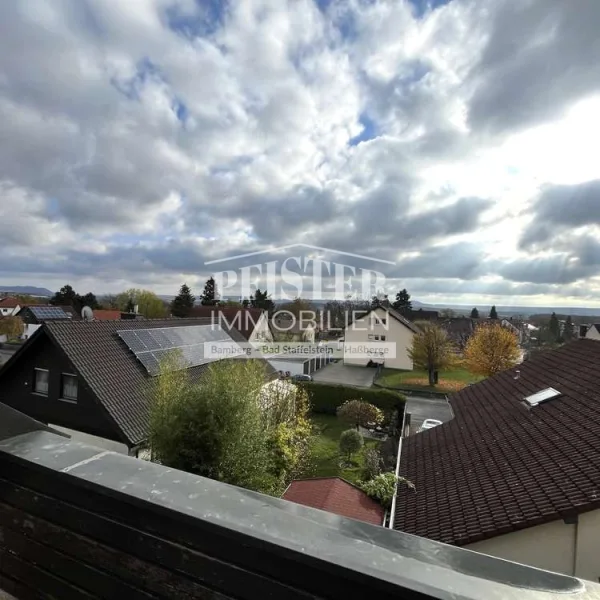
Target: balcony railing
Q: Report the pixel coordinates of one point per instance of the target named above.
(79, 522)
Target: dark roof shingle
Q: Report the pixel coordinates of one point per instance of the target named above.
(501, 465)
(337, 496)
(111, 370)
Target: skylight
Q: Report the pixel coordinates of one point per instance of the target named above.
(542, 396)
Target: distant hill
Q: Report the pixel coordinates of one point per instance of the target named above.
(26, 290)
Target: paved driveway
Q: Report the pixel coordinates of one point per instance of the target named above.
(426, 408)
(340, 373)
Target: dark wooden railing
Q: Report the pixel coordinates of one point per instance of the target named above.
(78, 522)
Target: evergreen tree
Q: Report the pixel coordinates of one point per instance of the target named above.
(493, 313)
(209, 295)
(474, 314)
(182, 303)
(554, 328)
(262, 300)
(569, 332)
(402, 302)
(66, 296)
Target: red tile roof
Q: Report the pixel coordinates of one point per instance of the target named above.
(501, 465)
(336, 496)
(107, 315)
(243, 319)
(9, 302)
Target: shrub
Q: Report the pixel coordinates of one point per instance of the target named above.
(373, 463)
(383, 487)
(350, 443)
(358, 413)
(326, 398)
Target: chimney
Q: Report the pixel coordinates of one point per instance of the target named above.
(135, 309)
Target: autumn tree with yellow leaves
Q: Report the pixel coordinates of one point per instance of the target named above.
(491, 349)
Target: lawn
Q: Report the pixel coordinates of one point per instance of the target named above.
(452, 380)
(325, 453)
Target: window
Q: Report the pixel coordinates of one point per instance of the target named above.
(69, 387)
(371, 337)
(384, 321)
(383, 338)
(376, 338)
(40, 381)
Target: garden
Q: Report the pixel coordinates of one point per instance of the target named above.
(450, 380)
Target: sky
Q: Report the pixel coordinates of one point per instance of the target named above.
(457, 139)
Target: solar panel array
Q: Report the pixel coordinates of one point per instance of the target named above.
(46, 313)
(152, 346)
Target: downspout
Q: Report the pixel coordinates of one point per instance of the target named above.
(397, 471)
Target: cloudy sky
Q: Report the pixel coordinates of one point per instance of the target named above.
(458, 139)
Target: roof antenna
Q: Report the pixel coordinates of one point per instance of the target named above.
(517, 375)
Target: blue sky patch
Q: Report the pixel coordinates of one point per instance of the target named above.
(209, 17)
(423, 6)
(369, 131)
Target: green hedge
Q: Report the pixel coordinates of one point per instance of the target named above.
(325, 398)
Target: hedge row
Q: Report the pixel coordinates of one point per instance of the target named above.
(325, 398)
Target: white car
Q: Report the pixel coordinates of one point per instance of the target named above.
(429, 424)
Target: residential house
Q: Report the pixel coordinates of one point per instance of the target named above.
(9, 306)
(252, 323)
(93, 376)
(516, 472)
(381, 324)
(34, 315)
(288, 328)
(459, 330)
(107, 315)
(593, 332)
(420, 315)
(337, 496)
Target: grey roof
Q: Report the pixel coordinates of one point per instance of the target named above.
(111, 371)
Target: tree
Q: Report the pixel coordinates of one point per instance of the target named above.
(554, 328)
(569, 332)
(373, 463)
(209, 294)
(12, 327)
(88, 300)
(182, 303)
(475, 314)
(232, 304)
(262, 300)
(66, 296)
(402, 302)
(227, 427)
(383, 487)
(109, 301)
(358, 413)
(447, 313)
(296, 307)
(493, 312)
(491, 349)
(432, 349)
(148, 303)
(350, 443)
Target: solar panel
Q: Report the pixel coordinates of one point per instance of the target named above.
(152, 346)
(45, 313)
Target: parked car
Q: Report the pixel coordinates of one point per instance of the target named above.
(301, 377)
(429, 424)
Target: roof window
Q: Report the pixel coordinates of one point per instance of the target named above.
(542, 396)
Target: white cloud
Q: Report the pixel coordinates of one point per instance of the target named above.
(138, 142)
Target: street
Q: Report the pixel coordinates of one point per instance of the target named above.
(5, 354)
(426, 408)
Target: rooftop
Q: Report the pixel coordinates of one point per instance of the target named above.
(502, 465)
(243, 320)
(109, 368)
(335, 495)
(79, 522)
